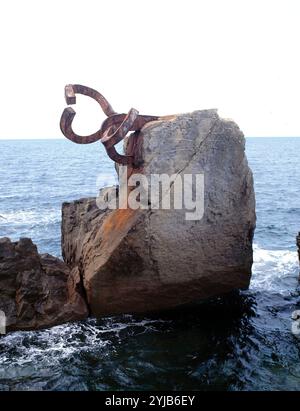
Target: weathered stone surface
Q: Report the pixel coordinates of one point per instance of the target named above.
(37, 290)
(143, 260)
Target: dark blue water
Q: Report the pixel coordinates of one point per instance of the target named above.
(239, 342)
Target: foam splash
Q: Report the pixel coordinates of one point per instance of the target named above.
(274, 270)
(53, 345)
(30, 217)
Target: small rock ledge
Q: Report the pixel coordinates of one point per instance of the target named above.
(37, 290)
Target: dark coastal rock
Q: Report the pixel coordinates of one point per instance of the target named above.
(144, 260)
(37, 290)
(298, 245)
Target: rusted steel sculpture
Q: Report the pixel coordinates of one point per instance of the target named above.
(113, 129)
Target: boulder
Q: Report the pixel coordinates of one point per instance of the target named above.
(139, 260)
(37, 290)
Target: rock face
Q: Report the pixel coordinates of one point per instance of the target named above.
(137, 260)
(298, 244)
(37, 290)
(144, 260)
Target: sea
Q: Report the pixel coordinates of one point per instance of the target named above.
(242, 341)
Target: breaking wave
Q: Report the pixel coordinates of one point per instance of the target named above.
(274, 270)
(31, 217)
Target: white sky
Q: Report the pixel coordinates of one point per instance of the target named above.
(159, 56)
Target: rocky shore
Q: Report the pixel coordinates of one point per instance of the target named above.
(140, 260)
(37, 290)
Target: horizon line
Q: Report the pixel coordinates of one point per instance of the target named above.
(64, 138)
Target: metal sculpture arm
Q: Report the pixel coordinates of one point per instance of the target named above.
(113, 129)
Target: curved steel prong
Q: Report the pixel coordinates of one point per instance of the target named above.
(66, 128)
(72, 89)
(119, 158)
(117, 119)
(68, 115)
(113, 129)
(117, 132)
(110, 138)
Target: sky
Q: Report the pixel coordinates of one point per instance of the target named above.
(160, 57)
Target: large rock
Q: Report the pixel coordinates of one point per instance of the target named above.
(143, 260)
(37, 290)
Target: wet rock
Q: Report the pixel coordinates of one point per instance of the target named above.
(37, 290)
